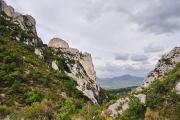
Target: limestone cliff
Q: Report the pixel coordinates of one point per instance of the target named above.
(26, 22)
(81, 68)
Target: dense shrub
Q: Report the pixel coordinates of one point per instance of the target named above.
(135, 111)
(31, 97)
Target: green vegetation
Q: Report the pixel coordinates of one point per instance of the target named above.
(162, 101)
(30, 89)
(135, 111)
(161, 97)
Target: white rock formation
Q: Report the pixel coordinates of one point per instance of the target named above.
(119, 106)
(8, 10)
(26, 22)
(39, 52)
(164, 65)
(54, 65)
(58, 43)
(141, 97)
(177, 88)
(81, 68)
(86, 62)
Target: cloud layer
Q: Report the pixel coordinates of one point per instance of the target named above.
(123, 36)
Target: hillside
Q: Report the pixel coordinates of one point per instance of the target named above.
(39, 81)
(157, 98)
(57, 82)
(120, 82)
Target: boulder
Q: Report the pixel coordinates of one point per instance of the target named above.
(141, 97)
(39, 52)
(58, 43)
(119, 106)
(54, 65)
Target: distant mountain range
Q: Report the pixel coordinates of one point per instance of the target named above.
(120, 81)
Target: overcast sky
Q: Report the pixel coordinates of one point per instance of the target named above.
(123, 36)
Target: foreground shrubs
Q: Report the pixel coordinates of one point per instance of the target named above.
(135, 111)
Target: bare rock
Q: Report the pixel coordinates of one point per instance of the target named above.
(81, 68)
(58, 43)
(2, 95)
(86, 62)
(118, 107)
(177, 88)
(8, 10)
(25, 22)
(141, 97)
(39, 52)
(54, 65)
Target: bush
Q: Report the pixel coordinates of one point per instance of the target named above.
(135, 111)
(4, 111)
(32, 97)
(66, 110)
(154, 101)
(38, 111)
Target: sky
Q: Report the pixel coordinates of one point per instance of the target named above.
(123, 36)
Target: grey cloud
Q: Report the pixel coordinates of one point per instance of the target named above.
(122, 57)
(153, 48)
(103, 27)
(139, 57)
(161, 16)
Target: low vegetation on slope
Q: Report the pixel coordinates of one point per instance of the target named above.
(162, 101)
(31, 89)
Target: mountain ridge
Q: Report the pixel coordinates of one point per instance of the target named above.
(117, 82)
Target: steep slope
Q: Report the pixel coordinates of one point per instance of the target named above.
(39, 81)
(158, 97)
(164, 65)
(79, 65)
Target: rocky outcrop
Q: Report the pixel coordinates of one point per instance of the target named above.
(39, 52)
(26, 22)
(58, 43)
(141, 97)
(54, 65)
(177, 88)
(118, 107)
(81, 68)
(164, 65)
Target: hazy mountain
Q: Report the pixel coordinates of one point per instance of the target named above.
(120, 81)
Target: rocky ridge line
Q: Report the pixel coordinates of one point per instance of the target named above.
(167, 63)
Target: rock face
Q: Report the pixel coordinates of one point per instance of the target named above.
(118, 107)
(164, 65)
(141, 97)
(58, 43)
(81, 68)
(39, 52)
(24, 21)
